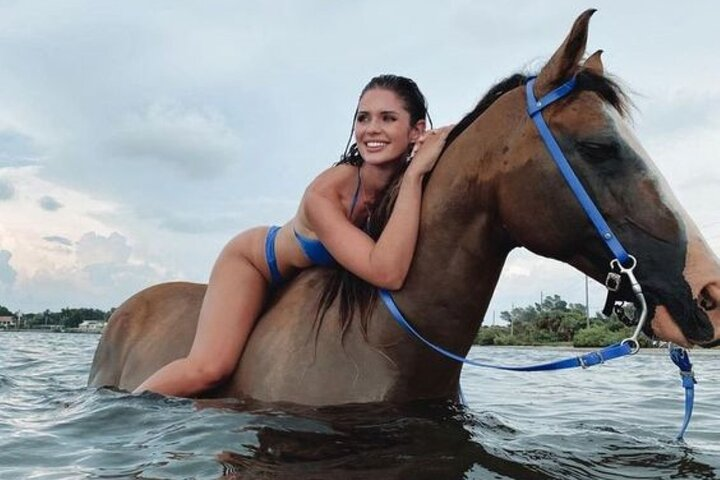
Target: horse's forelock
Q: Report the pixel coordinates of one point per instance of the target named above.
(606, 88)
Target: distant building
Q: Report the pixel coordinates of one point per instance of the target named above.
(92, 326)
(7, 323)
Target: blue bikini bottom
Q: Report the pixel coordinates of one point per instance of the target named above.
(275, 277)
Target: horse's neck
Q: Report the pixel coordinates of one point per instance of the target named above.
(460, 253)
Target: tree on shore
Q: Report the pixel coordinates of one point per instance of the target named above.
(66, 318)
(554, 321)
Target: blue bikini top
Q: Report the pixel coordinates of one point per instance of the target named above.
(313, 248)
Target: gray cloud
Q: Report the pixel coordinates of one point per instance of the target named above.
(107, 275)
(102, 285)
(7, 273)
(7, 191)
(58, 239)
(221, 217)
(16, 149)
(199, 224)
(96, 249)
(683, 112)
(50, 204)
(196, 143)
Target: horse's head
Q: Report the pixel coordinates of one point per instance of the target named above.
(677, 270)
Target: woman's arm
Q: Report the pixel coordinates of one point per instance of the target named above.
(384, 263)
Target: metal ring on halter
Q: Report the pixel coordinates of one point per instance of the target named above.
(621, 267)
(635, 345)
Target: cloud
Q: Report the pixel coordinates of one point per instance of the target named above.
(679, 112)
(99, 285)
(16, 148)
(95, 249)
(50, 204)
(7, 191)
(196, 143)
(222, 217)
(58, 239)
(193, 224)
(101, 272)
(7, 273)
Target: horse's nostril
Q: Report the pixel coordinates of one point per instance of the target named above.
(706, 301)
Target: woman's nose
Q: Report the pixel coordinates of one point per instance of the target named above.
(374, 125)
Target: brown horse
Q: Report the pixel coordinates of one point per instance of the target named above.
(494, 188)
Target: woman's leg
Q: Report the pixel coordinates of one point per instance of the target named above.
(233, 301)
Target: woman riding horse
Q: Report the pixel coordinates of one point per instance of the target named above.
(389, 124)
(493, 189)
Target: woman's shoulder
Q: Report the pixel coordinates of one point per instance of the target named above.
(327, 188)
(332, 180)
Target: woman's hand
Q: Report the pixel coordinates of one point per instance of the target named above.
(427, 150)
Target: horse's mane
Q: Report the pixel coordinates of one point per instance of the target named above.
(356, 295)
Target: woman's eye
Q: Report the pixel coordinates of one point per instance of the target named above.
(361, 118)
(389, 118)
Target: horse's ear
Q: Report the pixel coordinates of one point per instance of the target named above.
(594, 63)
(565, 62)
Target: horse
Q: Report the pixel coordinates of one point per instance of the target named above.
(494, 188)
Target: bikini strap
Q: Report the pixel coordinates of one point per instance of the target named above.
(357, 192)
(271, 258)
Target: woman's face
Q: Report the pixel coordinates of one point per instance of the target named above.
(382, 127)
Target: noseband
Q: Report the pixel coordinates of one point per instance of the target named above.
(622, 266)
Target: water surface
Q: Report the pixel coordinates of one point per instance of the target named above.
(615, 421)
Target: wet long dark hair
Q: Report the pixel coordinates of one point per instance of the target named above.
(354, 293)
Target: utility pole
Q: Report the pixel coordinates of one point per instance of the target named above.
(511, 319)
(511, 327)
(587, 302)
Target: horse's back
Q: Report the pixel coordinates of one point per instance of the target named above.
(149, 330)
(289, 357)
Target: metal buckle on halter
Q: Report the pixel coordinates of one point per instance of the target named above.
(613, 281)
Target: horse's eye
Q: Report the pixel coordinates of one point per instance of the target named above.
(599, 151)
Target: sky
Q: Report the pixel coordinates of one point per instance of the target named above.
(136, 138)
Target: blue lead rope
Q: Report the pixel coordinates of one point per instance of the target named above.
(677, 354)
(681, 358)
(588, 360)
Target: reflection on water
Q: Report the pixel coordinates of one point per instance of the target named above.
(615, 422)
(421, 440)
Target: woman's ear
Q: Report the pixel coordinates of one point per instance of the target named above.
(417, 130)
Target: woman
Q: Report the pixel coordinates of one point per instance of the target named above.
(389, 124)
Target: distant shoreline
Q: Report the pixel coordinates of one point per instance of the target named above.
(43, 330)
(558, 346)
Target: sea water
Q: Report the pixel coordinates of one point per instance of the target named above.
(613, 421)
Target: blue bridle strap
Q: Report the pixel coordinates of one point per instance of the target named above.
(588, 360)
(534, 108)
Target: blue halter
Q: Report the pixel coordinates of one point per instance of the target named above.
(622, 261)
